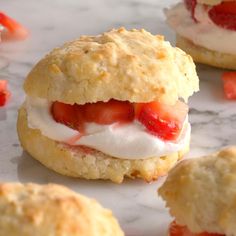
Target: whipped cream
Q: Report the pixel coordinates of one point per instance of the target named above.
(204, 33)
(129, 141)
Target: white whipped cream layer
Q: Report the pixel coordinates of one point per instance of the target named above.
(204, 33)
(129, 141)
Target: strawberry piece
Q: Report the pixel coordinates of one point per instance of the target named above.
(191, 6)
(105, 113)
(161, 120)
(4, 97)
(224, 15)
(14, 29)
(3, 85)
(178, 230)
(229, 80)
(4, 93)
(67, 115)
(164, 121)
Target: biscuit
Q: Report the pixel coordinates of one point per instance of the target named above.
(201, 193)
(76, 161)
(206, 56)
(120, 64)
(43, 210)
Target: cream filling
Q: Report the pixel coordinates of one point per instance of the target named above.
(129, 141)
(203, 33)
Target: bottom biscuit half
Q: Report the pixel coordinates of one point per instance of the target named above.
(206, 56)
(83, 162)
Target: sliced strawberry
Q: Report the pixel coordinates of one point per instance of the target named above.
(108, 112)
(224, 15)
(178, 230)
(14, 29)
(162, 120)
(229, 80)
(67, 115)
(191, 6)
(3, 85)
(4, 97)
(138, 108)
(4, 93)
(100, 112)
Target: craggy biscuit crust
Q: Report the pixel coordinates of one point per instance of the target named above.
(120, 64)
(206, 56)
(201, 193)
(89, 163)
(43, 210)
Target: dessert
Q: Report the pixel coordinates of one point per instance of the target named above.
(201, 195)
(40, 210)
(109, 106)
(206, 29)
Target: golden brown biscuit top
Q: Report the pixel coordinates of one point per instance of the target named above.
(120, 64)
(31, 209)
(201, 193)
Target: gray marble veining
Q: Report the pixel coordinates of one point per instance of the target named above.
(139, 210)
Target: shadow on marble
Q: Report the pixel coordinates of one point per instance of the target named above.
(4, 63)
(30, 170)
(3, 114)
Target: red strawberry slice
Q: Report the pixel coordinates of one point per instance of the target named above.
(224, 15)
(3, 85)
(67, 115)
(162, 120)
(14, 29)
(191, 6)
(4, 93)
(229, 80)
(4, 97)
(178, 230)
(105, 113)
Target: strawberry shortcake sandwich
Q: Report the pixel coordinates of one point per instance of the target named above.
(109, 106)
(201, 195)
(206, 29)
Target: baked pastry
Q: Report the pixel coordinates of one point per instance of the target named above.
(201, 195)
(206, 29)
(41, 210)
(107, 106)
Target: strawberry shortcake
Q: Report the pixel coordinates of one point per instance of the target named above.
(201, 195)
(206, 29)
(109, 106)
(42, 210)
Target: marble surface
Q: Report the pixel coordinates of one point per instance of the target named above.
(135, 203)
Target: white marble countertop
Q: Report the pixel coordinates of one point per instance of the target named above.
(135, 203)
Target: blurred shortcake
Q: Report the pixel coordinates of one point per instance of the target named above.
(206, 29)
(201, 195)
(109, 106)
(52, 210)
